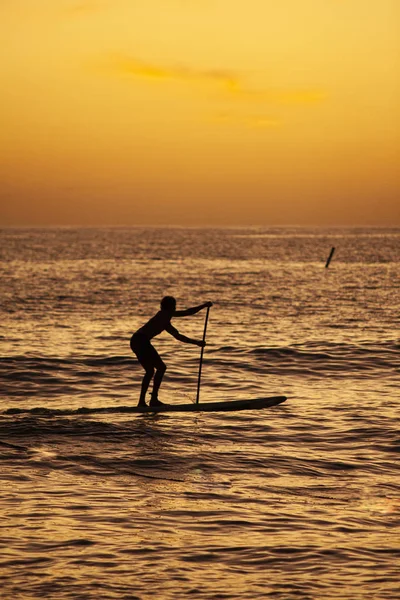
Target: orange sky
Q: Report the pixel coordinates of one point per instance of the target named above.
(200, 112)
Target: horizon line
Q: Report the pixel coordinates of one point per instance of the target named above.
(208, 226)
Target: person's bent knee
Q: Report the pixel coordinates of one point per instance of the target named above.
(150, 372)
(162, 367)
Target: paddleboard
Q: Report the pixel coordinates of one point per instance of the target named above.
(254, 404)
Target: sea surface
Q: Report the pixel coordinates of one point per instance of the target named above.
(298, 501)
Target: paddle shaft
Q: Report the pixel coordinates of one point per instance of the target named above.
(201, 356)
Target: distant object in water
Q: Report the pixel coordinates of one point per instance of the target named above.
(330, 257)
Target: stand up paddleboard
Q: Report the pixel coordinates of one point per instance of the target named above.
(255, 404)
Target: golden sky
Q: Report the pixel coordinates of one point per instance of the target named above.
(200, 112)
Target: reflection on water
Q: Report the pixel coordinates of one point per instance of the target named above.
(163, 505)
(297, 501)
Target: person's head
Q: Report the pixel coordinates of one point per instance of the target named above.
(168, 303)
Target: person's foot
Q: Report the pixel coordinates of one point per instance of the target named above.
(154, 402)
(142, 404)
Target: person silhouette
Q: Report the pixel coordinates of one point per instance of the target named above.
(148, 356)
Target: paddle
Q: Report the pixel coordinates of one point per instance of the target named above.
(201, 356)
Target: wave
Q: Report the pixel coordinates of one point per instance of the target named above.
(317, 359)
(334, 358)
(25, 375)
(22, 376)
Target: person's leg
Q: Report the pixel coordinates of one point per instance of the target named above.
(160, 370)
(145, 385)
(146, 356)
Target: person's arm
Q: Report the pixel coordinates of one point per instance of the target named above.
(192, 311)
(182, 338)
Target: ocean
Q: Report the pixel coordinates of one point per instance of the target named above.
(297, 501)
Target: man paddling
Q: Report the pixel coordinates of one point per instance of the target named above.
(148, 356)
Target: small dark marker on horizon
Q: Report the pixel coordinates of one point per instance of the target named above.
(329, 257)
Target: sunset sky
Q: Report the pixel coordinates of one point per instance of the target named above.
(200, 112)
